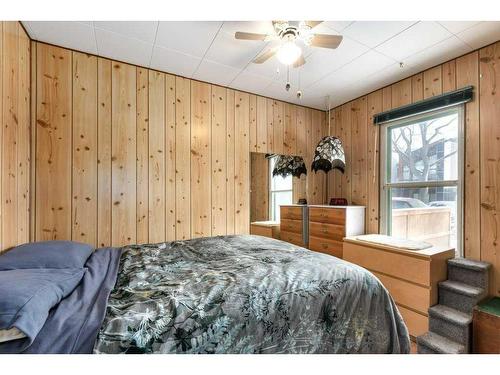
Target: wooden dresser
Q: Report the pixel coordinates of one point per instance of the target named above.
(293, 224)
(328, 225)
(410, 276)
(269, 229)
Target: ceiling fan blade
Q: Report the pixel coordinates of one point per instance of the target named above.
(326, 41)
(300, 61)
(249, 36)
(312, 24)
(265, 56)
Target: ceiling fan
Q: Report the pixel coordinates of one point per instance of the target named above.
(288, 33)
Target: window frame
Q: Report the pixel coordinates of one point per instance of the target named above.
(385, 165)
(271, 191)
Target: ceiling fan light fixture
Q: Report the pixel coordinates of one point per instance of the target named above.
(288, 53)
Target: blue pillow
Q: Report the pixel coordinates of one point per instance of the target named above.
(47, 254)
(27, 295)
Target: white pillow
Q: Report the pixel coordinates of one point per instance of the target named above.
(11, 334)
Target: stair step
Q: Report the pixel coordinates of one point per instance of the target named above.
(460, 296)
(469, 272)
(451, 315)
(453, 324)
(438, 344)
(470, 264)
(461, 288)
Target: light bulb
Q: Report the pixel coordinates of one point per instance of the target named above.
(288, 53)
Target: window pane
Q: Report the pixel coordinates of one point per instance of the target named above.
(278, 199)
(426, 214)
(426, 150)
(278, 182)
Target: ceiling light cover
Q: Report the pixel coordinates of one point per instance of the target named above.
(287, 164)
(329, 154)
(288, 53)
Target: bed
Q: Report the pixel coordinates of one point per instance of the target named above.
(225, 294)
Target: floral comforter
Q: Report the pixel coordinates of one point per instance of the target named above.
(246, 294)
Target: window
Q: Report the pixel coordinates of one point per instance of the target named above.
(421, 169)
(280, 191)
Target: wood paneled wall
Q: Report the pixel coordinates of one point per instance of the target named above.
(353, 123)
(125, 154)
(14, 135)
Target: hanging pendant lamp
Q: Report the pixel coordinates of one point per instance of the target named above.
(286, 164)
(329, 153)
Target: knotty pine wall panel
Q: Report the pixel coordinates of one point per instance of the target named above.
(15, 134)
(84, 163)
(123, 157)
(156, 147)
(54, 111)
(15, 131)
(104, 137)
(201, 176)
(162, 158)
(482, 151)
(489, 109)
(10, 124)
(242, 162)
(170, 157)
(182, 158)
(219, 161)
(467, 73)
(142, 154)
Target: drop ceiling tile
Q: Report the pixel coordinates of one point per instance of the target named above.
(259, 27)
(324, 61)
(415, 39)
(69, 34)
(481, 34)
(367, 64)
(439, 53)
(389, 75)
(213, 72)
(337, 26)
(174, 62)
(373, 33)
(250, 82)
(226, 50)
(118, 47)
(142, 30)
(458, 26)
(192, 38)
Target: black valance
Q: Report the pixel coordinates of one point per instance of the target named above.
(441, 101)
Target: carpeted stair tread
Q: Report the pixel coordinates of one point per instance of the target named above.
(461, 288)
(469, 264)
(451, 315)
(440, 344)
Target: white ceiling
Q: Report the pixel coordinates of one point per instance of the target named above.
(368, 58)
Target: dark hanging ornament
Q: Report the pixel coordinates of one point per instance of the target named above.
(329, 154)
(286, 164)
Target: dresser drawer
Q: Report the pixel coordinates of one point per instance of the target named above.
(398, 265)
(326, 246)
(330, 231)
(291, 225)
(294, 213)
(327, 215)
(407, 294)
(416, 323)
(291, 237)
